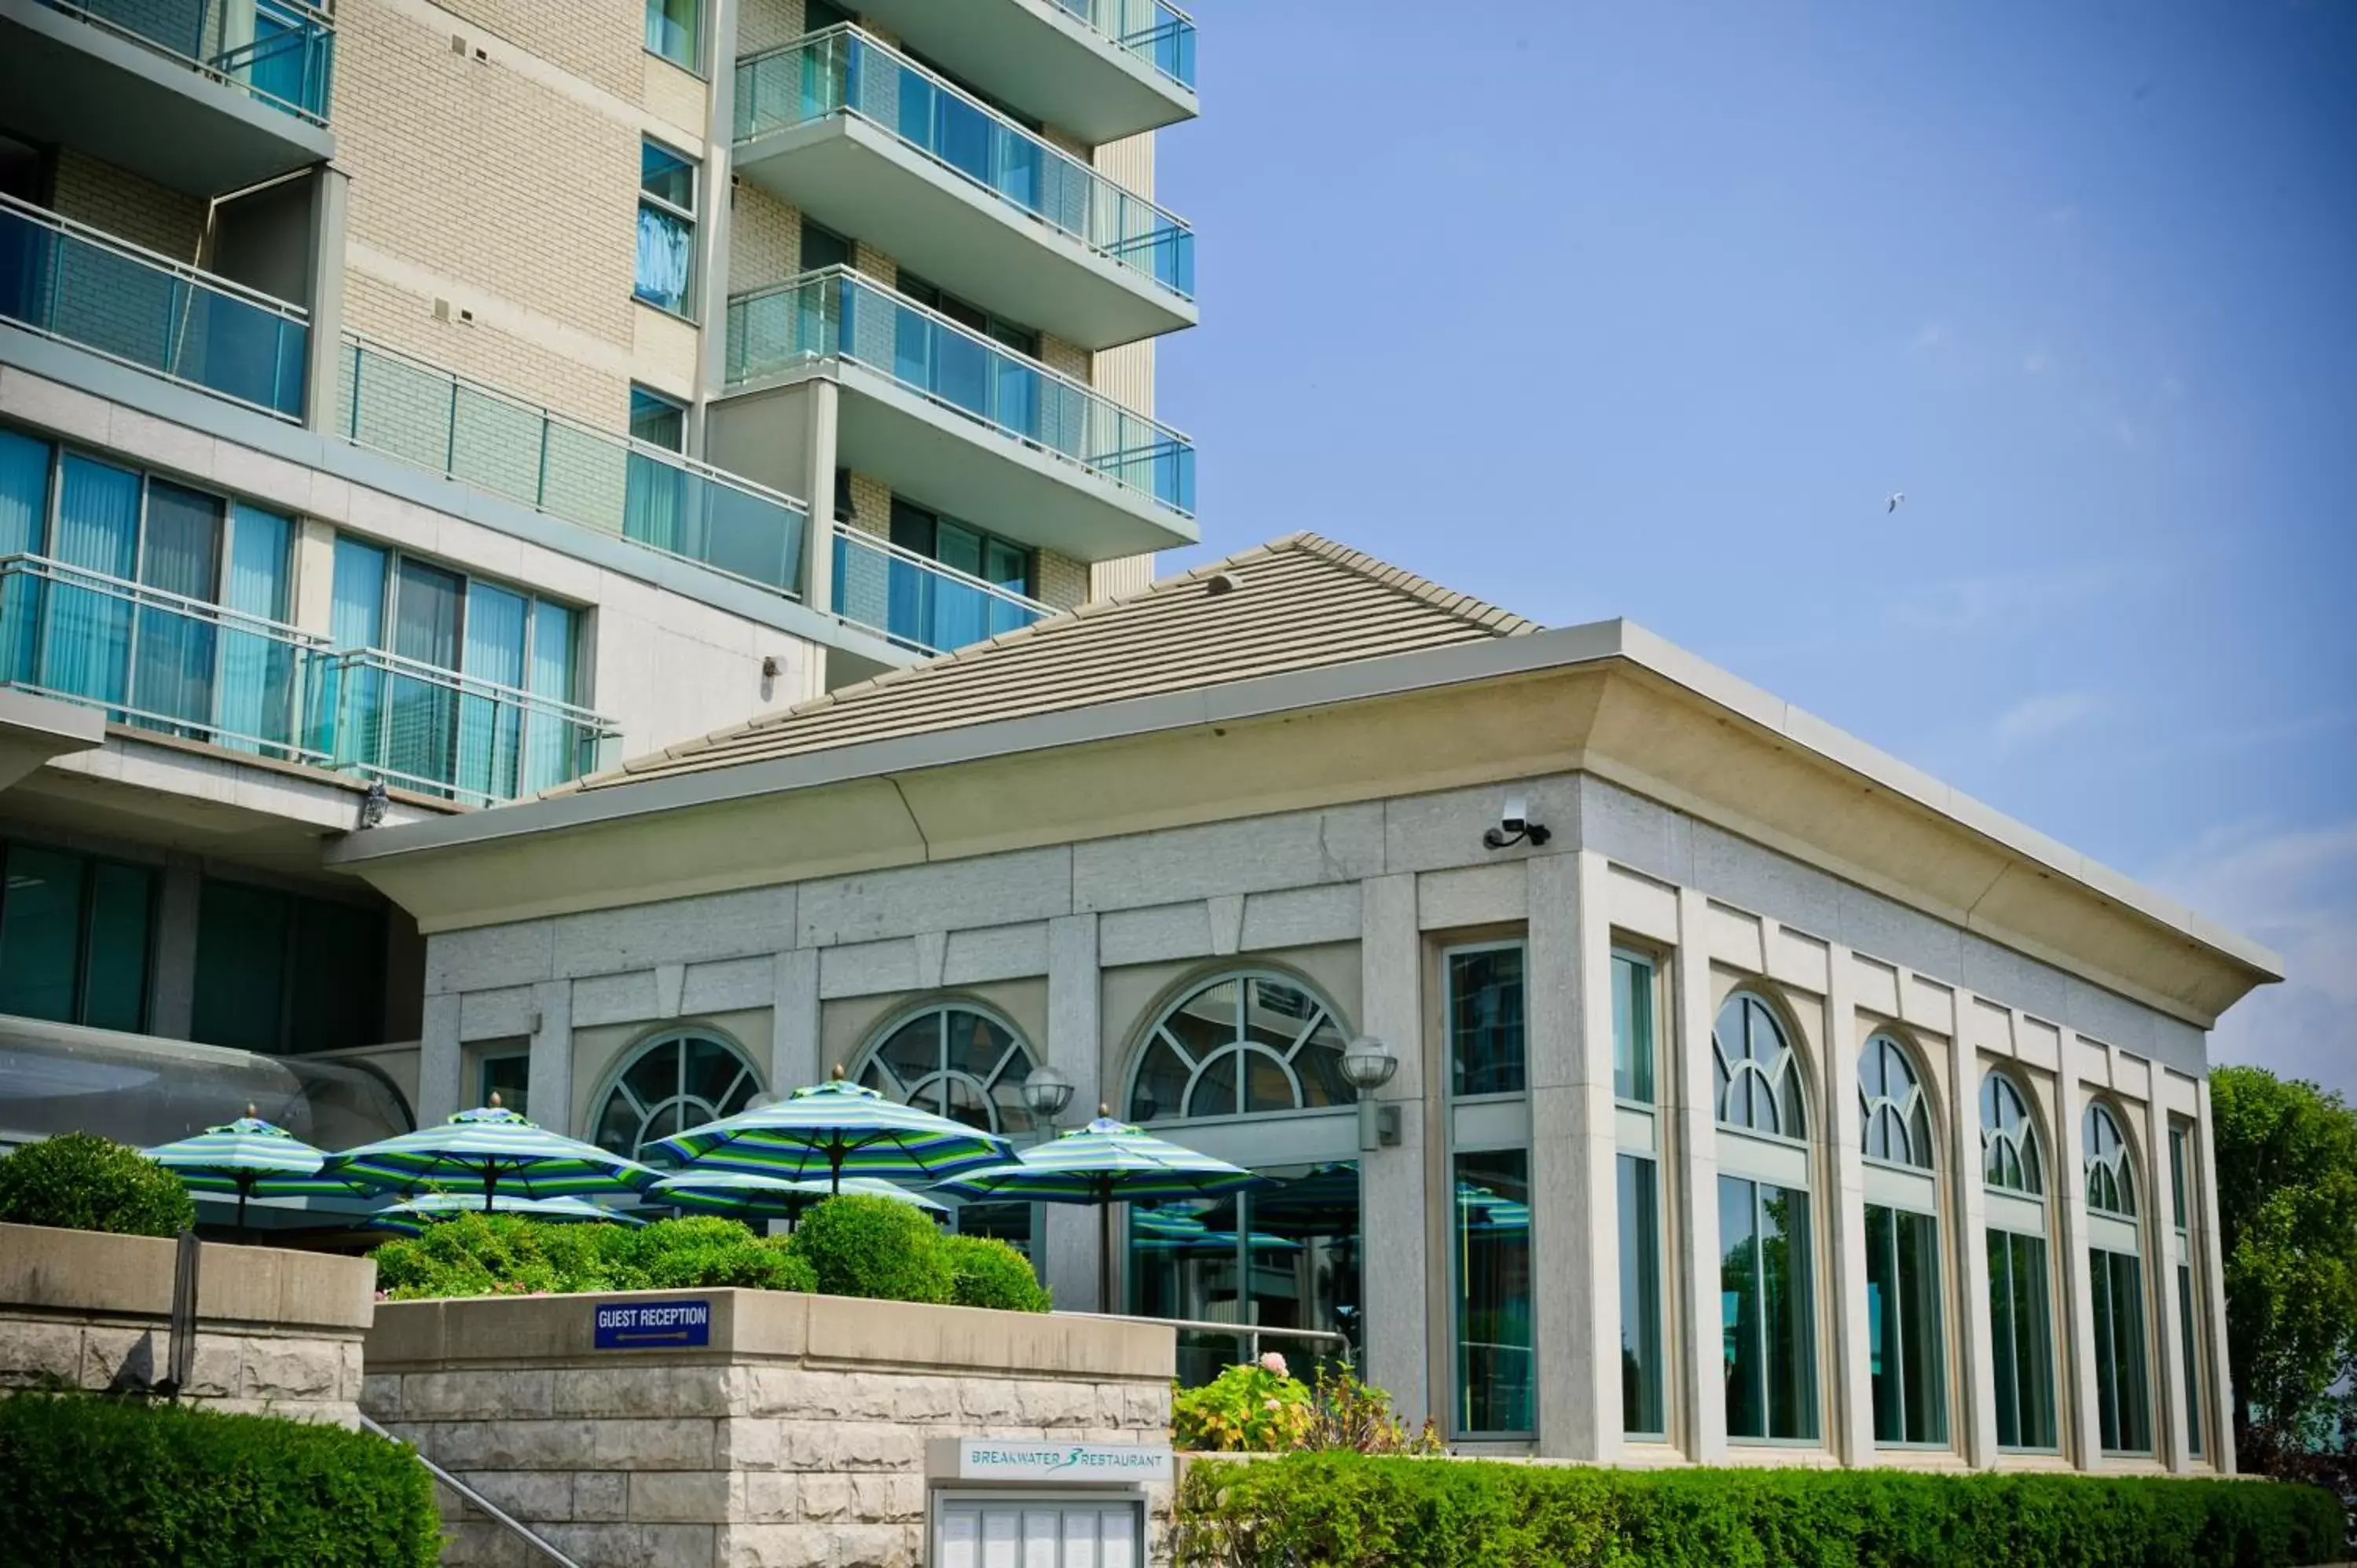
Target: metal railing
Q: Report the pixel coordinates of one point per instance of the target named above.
(837, 313)
(1162, 36)
(463, 430)
(919, 603)
(475, 1501)
(81, 285)
(842, 71)
(1254, 1332)
(279, 52)
(441, 733)
(158, 660)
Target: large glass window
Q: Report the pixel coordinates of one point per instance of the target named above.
(2021, 1282)
(1484, 1002)
(955, 1062)
(2181, 1181)
(1240, 1045)
(2116, 1277)
(666, 260)
(1643, 1369)
(667, 1085)
(675, 31)
(657, 420)
(1903, 1326)
(1768, 1312)
(1757, 1075)
(74, 938)
(280, 972)
(2111, 1178)
(1894, 1115)
(1490, 1255)
(507, 1073)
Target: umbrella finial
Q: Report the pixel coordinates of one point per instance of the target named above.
(250, 1111)
(495, 1099)
(837, 1075)
(1102, 1108)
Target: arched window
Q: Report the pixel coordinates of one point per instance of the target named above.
(2111, 1180)
(669, 1084)
(2115, 1288)
(2010, 1157)
(956, 1061)
(1766, 1268)
(1759, 1078)
(1241, 1044)
(1897, 1118)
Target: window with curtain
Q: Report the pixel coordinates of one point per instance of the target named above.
(1767, 1287)
(85, 636)
(666, 258)
(675, 31)
(923, 609)
(261, 695)
(1903, 1305)
(283, 973)
(2180, 1181)
(2020, 1286)
(180, 554)
(24, 471)
(1644, 1408)
(2116, 1287)
(75, 935)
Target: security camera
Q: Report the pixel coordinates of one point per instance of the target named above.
(1514, 826)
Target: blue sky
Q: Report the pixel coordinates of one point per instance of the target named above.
(1643, 310)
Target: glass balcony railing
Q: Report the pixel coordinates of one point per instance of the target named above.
(918, 603)
(80, 285)
(842, 70)
(465, 431)
(158, 660)
(1162, 36)
(280, 52)
(839, 314)
(440, 732)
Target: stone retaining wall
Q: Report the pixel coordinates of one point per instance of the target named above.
(795, 1439)
(279, 1333)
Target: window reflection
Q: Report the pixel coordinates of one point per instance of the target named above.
(1767, 1314)
(1492, 1244)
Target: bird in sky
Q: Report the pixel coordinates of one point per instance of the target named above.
(1898, 500)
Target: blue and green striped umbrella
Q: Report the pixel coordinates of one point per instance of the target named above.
(497, 1148)
(412, 1218)
(742, 1195)
(250, 1158)
(1104, 1162)
(842, 1130)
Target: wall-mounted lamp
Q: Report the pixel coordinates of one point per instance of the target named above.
(1514, 826)
(1047, 1092)
(1369, 1064)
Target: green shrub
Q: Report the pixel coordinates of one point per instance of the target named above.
(861, 1245)
(986, 1271)
(1255, 1408)
(704, 1251)
(79, 1182)
(1347, 1510)
(506, 1254)
(129, 1484)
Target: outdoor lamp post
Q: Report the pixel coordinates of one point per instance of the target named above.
(1047, 1092)
(1369, 1064)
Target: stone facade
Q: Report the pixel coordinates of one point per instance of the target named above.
(279, 1333)
(795, 1439)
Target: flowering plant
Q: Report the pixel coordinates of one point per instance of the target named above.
(1253, 1409)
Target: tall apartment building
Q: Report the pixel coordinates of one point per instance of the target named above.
(406, 407)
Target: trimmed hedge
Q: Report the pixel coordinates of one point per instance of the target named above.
(1342, 1511)
(986, 1271)
(125, 1483)
(507, 1254)
(77, 1181)
(857, 1245)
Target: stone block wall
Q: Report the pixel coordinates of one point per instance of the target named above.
(279, 1333)
(796, 1439)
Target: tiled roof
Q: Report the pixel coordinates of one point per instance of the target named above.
(1297, 602)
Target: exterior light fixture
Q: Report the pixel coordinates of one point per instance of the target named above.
(1369, 1064)
(1514, 826)
(1047, 1092)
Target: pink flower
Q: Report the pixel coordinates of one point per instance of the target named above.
(1270, 1403)
(1272, 1362)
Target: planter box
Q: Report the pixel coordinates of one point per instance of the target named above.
(780, 1429)
(279, 1333)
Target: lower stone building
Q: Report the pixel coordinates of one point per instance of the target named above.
(1751, 1097)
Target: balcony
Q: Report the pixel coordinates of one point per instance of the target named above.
(868, 142)
(440, 732)
(449, 426)
(956, 422)
(920, 604)
(206, 96)
(183, 668)
(1101, 69)
(80, 285)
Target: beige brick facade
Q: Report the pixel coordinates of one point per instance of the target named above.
(1063, 582)
(93, 191)
(871, 505)
(511, 361)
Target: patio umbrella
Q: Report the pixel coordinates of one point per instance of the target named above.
(1176, 1230)
(411, 1218)
(842, 1129)
(1105, 1162)
(494, 1146)
(745, 1197)
(251, 1157)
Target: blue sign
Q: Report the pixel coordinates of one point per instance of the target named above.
(653, 1324)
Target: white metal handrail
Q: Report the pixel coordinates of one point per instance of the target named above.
(321, 21)
(475, 1501)
(467, 685)
(152, 260)
(883, 546)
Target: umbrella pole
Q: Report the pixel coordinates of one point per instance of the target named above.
(834, 1154)
(245, 1186)
(491, 1181)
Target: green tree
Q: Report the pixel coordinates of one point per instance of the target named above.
(2286, 1166)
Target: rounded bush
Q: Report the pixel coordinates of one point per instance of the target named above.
(79, 1182)
(986, 1271)
(861, 1245)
